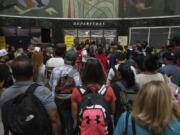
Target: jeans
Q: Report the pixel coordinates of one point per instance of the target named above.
(66, 122)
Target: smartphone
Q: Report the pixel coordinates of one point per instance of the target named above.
(175, 90)
(177, 94)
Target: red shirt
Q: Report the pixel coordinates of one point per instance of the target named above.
(109, 95)
(79, 56)
(103, 60)
(177, 47)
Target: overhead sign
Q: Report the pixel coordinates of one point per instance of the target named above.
(123, 40)
(2, 42)
(69, 41)
(89, 23)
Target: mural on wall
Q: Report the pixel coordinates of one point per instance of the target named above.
(146, 8)
(6, 6)
(90, 8)
(119, 8)
(31, 7)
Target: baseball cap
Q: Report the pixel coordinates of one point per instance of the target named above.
(37, 49)
(70, 55)
(169, 55)
(3, 52)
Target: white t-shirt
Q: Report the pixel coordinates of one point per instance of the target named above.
(111, 74)
(142, 79)
(55, 62)
(84, 55)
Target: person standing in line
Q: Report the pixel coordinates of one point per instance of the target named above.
(102, 59)
(64, 101)
(56, 61)
(120, 58)
(147, 121)
(22, 68)
(170, 69)
(93, 78)
(150, 65)
(38, 66)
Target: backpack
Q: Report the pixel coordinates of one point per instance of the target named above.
(125, 99)
(126, 124)
(26, 115)
(94, 113)
(116, 75)
(63, 92)
(48, 72)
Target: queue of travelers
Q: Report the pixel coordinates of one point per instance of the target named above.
(90, 90)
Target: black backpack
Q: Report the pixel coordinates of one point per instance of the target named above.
(63, 92)
(125, 98)
(26, 115)
(94, 112)
(117, 75)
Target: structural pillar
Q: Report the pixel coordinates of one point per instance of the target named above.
(57, 33)
(123, 30)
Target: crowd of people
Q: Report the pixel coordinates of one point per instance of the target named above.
(66, 78)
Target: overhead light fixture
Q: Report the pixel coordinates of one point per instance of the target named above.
(19, 27)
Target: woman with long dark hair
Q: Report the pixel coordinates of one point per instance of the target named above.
(93, 78)
(38, 67)
(126, 83)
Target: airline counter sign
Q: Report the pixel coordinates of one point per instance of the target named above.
(123, 40)
(2, 42)
(69, 41)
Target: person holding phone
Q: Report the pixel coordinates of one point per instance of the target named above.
(152, 112)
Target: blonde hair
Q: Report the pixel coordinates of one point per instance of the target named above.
(37, 59)
(153, 107)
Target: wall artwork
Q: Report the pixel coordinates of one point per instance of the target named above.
(90, 8)
(38, 8)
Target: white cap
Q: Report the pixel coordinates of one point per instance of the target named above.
(3, 52)
(37, 49)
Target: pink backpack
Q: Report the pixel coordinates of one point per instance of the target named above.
(94, 114)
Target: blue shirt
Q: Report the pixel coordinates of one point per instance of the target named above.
(173, 71)
(172, 129)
